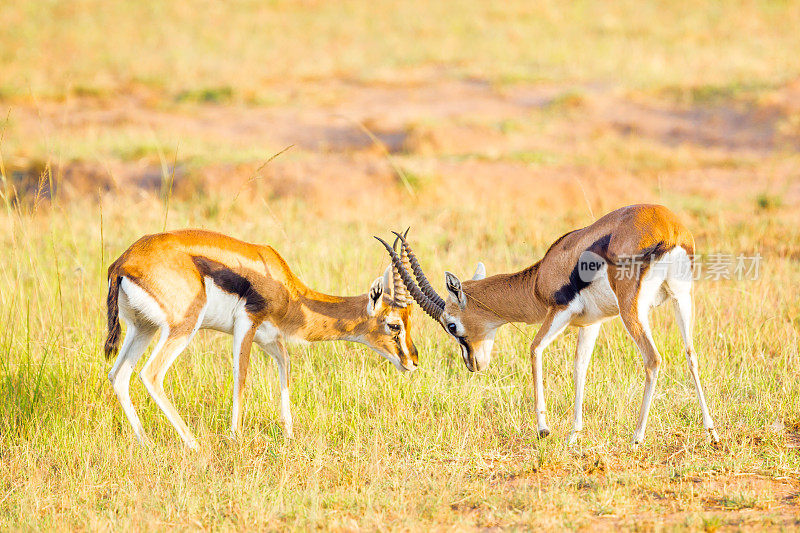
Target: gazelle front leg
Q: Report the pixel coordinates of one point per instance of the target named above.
(587, 336)
(243, 332)
(277, 350)
(554, 323)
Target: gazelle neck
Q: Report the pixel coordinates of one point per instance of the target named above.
(323, 317)
(509, 297)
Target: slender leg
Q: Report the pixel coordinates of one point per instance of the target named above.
(277, 350)
(635, 299)
(152, 375)
(554, 324)
(640, 333)
(683, 313)
(134, 345)
(587, 336)
(243, 332)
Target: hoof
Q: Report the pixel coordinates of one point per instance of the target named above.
(544, 432)
(713, 434)
(145, 442)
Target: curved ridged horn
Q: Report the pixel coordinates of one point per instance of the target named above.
(423, 282)
(400, 295)
(403, 254)
(427, 305)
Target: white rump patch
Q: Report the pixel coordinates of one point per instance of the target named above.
(673, 268)
(138, 307)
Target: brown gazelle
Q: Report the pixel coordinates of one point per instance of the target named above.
(623, 264)
(183, 281)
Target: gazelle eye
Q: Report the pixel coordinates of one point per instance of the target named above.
(452, 328)
(394, 327)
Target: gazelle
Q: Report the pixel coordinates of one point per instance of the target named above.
(183, 281)
(586, 277)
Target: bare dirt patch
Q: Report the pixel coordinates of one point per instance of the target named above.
(525, 146)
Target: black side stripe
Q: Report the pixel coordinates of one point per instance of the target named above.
(577, 283)
(231, 282)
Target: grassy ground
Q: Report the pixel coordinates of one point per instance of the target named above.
(494, 130)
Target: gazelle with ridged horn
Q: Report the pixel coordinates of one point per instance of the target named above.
(623, 264)
(179, 282)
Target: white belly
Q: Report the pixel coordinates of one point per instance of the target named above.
(223, 309)
(597, 301)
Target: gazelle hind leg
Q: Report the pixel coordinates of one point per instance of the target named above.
(277, 350)
(682, 302)
(640, 333)
(587, 336)
(554, 324)
(133, 346)
(635, 299)
(169, 347)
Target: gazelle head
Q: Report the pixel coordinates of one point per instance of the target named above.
(389, 311)
(461, 315)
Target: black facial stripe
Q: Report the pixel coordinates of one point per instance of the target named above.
(399, 346)
(463, 342)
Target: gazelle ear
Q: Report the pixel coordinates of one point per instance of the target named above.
(388, 286)
(480, 272)
(453, 285)
(375, 296)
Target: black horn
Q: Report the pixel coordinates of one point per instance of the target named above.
(424, 284)
(429, 306)
(400, 295)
